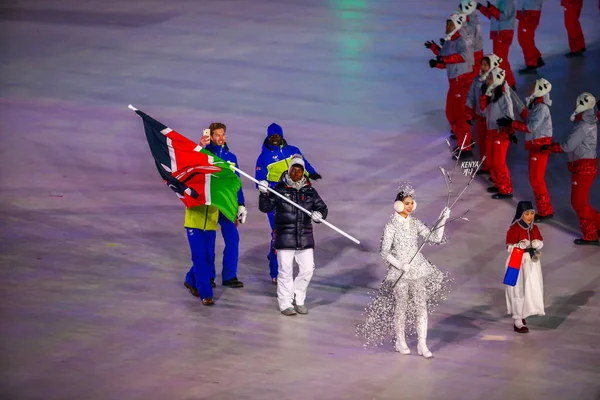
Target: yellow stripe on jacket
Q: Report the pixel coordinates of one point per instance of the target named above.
(277, 168)
(202, 217)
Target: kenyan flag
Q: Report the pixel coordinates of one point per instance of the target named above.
(197, 176)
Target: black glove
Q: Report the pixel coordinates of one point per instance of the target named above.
(544, 147)
(442, 41)
(505, 121)
(428, 44)
(479, 6)
(314, 176)
(513, 138)
(470, 122)
(483, 88)
(433, 63)
(531, 251)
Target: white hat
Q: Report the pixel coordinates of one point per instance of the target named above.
(542, 87)
(585, 101)
(494, 62)
(498, 75)
(458, 20)
(466, 7)
(297, 159)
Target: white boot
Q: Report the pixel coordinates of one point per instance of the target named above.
(401, 346)
(422, 349)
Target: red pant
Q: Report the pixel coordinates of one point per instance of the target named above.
(482, 144)
(581, 183)
(455, 109)
(537, 178)
(502, 175)
(528, 23)
(477, 65)
(489, 152)
(576, 39)
(501, 44)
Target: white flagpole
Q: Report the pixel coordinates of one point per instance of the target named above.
(335, 228)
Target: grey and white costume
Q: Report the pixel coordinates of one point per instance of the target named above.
(398, 310)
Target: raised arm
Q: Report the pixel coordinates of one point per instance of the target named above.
(437, 236)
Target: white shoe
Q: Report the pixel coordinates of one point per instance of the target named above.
(422, 350)
(401, 347)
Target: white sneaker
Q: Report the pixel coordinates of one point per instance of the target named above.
(422, 350)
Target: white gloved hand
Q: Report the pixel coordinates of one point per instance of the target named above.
(445, 214)
(263, 186)
(523, 244)
(242, 214)
(537, 244)
(406, 268)
(394, 261)
(316, 217)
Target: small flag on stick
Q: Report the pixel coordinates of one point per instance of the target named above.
(514, 266)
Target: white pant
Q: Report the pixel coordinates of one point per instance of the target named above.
(287, 286)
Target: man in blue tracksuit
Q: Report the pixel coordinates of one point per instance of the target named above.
(231, 236)
(272, 162)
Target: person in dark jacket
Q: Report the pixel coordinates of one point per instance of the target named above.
(272, 162)
(293, 233)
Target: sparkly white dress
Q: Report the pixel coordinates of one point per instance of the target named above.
(398, 310)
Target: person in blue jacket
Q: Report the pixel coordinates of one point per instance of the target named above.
(273, 162)
(229, 230)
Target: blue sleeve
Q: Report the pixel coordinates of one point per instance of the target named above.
(240, 192)
(260, 174)
(309, 168)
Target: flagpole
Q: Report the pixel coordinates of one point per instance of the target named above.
(335, 228)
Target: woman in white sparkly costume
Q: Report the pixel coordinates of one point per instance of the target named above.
(419, 285)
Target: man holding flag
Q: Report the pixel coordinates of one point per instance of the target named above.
(218, 146)
(293, 232)
(273, 161)
(206, 185)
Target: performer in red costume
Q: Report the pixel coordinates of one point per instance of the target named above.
(580, 147)
(576, 39)
(455, 58)
(538, 131)
(528, 15)
(496, 103)
(502, 31)
(488, 63)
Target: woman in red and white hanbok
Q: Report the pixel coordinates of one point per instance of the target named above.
(526, 298)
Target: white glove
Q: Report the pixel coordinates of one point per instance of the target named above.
(537, 244)
(394, 261)
(523, 244)
(263, 186)
(242, 214)
(316, 217)
(406, 268)
(445, 214)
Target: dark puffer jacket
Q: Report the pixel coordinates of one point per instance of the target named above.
(293, 228)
